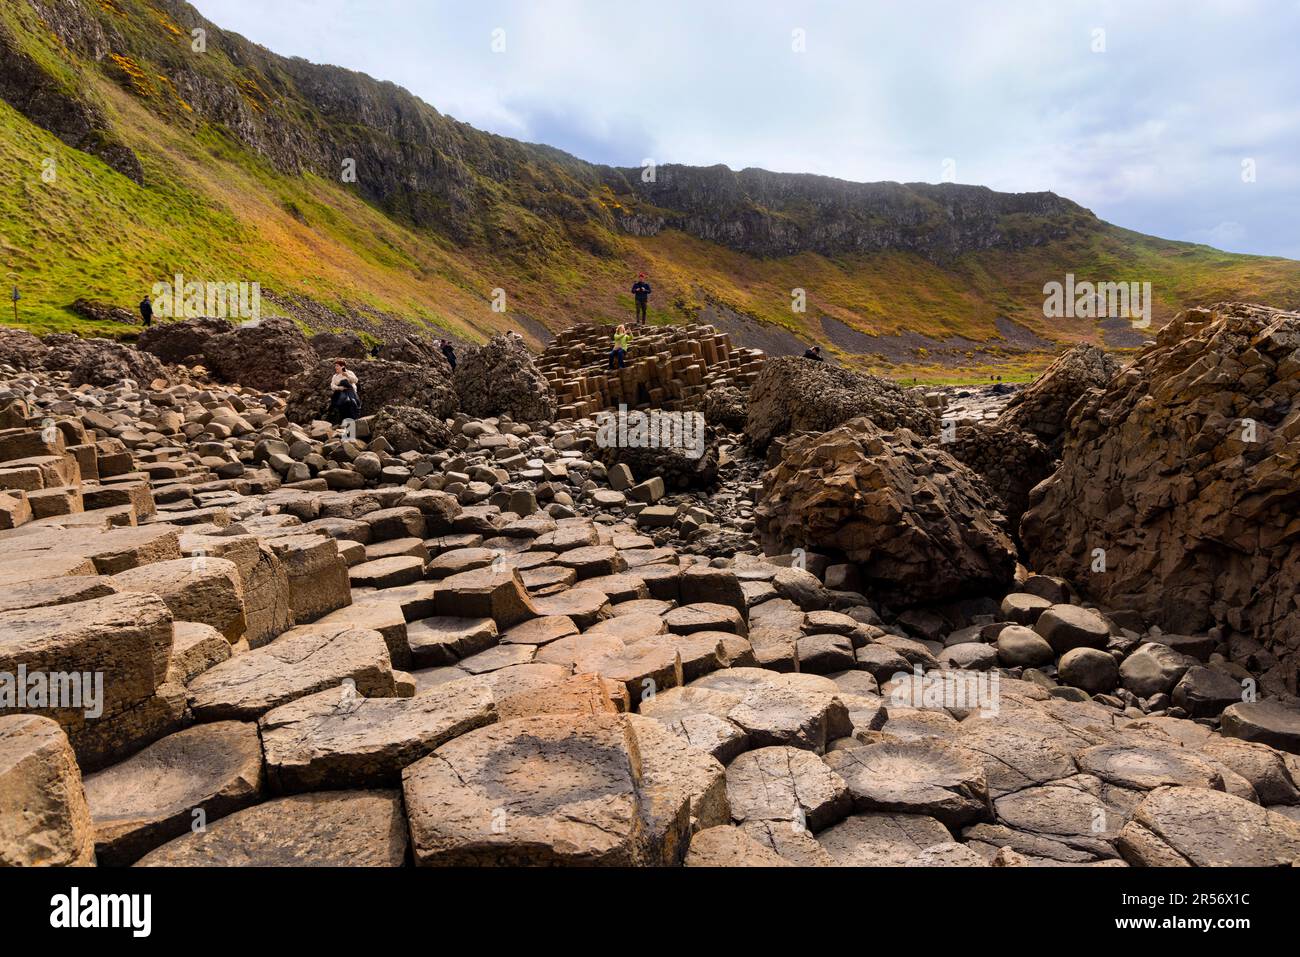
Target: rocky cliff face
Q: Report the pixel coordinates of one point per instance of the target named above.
(431, 170)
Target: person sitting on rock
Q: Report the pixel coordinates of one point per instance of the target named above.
(146, 311)
(344, 402)
(815, 354)
(641, 293)
(622, 342)
(448, 352)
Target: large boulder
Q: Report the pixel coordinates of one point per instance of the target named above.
(1183, 471)
(792, 394)
(21, 349)
(501, 379)
(918, 523)
(99, 362)
(338, 345)
(408, 429)
(726, 407)
(262, 355)
(380, 384)
(182, 341)
(1043, 408)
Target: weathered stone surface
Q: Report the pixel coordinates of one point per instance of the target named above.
(152, 797)
(918, 524)
(727, 846)
(336, 739)
(1066, 627)
(195, 589)
(919, 777)
(44, 820)
(1145, 768)
(444, 641)
(328, 829)
(496, 593)
(882, 840)
(127, 636)
(1043, 408)
(1152, 669)
(541, 790)
(1267, 722)
(784, 784)
(300, 662)
(1180, 826)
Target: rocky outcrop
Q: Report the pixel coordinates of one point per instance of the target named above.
(102, 362)
(500, 378)
(726, 407)
(1044, 407)
(1011, 461)
(407, 429)
(792, 394)
(380, 384)
(97, 311)
(1182, 472)
(182, 341)
(21, 350)
(918, 524)
(338, 345)
(260, 355)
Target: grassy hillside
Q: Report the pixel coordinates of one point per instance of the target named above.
(214, 209)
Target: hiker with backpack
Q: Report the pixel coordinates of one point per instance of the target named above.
(146, 311)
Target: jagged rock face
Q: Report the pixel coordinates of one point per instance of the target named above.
(413, 349)
(338, 345)
(1184, 471)
(265, 355)
(726, 407)
(380, 385)
(501, 379)
(778, 214)
(1044, 407)
(21, 349)
(918, 523)
(1011, 461)
(408, 429)
(793, 394)
(99, 362)
(182, 341)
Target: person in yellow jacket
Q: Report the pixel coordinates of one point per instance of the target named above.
(622, 342)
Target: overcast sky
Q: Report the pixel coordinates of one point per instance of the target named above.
(1151, 131)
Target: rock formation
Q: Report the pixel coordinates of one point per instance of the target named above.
(792, 394)
(1181, 474)
(500, 378)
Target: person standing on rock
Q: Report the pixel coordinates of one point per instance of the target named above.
(622, 342)
(146, 311)
(344, 402)
(641, 293)
(815, 354)
(448, 352)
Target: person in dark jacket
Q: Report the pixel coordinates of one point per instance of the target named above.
(815, 354)
(448, 353)
(641, 293)
(146, 311)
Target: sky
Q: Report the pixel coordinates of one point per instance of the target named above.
(1178, 118)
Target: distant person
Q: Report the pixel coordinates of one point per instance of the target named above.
(374, 351)
(146, 311)
(641, 292)
(344, 400)
(815, 354)
(622, 342)
(448, 352)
